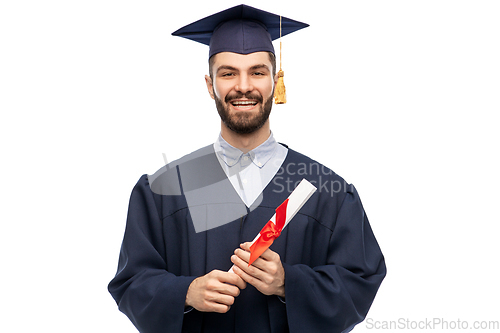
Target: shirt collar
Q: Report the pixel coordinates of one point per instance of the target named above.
(259, 155)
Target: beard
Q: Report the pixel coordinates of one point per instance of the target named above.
(244, 122)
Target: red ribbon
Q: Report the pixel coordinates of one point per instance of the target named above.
(269, 233)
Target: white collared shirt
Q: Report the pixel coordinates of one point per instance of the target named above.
(251, 172)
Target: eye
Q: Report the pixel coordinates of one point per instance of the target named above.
(228, 74)
(258, 73)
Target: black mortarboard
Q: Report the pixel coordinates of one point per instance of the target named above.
(240, 29)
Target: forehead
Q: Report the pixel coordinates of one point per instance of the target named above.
(242, 61)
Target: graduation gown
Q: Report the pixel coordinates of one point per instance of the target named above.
(333, 264)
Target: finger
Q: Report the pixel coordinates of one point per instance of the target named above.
(219, 308)
(257, 283)
(215, 282)
(250, 270)
(215, 307)
(269, 255)
(240, 283)
(246, 246)
(204, 294)
(236, 284)
(228, 289)
(218, 298)
(245, 256)
(233, 280)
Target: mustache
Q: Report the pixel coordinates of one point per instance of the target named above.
(250, 95)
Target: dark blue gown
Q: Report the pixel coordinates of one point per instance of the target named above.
(333, 264)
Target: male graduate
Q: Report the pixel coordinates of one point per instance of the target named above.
(192, 221)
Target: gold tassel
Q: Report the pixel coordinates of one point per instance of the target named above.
(279, 90)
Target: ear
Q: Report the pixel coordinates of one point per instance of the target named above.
(210, 85)
(276, 79)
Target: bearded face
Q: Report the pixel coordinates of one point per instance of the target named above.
(243, 122)
(242, 86)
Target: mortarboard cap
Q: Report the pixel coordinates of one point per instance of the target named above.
(241, 29)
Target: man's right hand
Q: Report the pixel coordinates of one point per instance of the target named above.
(214, 292)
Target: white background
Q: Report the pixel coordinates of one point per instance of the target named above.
(400, 98)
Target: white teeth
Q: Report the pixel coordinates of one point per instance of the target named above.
(243, 103)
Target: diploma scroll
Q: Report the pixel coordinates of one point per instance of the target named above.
(284, 213)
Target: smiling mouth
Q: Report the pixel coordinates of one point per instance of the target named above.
(243, 104)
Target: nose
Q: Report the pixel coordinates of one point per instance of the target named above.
(244, 84)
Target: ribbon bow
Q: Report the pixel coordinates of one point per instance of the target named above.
(269, 233)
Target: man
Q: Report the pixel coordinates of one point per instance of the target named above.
(190, 222)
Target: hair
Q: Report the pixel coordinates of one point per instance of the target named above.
(211, 61)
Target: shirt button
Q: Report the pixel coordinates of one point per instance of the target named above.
(244, 181)
(245, 158)
(259, 164)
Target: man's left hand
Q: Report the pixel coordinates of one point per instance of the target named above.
(266, 273)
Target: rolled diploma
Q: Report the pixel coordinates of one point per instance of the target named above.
(296, 200)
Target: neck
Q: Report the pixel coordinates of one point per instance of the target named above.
(246, 142)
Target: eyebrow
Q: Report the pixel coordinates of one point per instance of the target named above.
(260, 66)
(226, 67)
(231, 68)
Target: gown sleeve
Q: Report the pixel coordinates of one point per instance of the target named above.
(336, 296)
(144, 290)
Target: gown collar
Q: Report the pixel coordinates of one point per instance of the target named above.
(259, 155)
